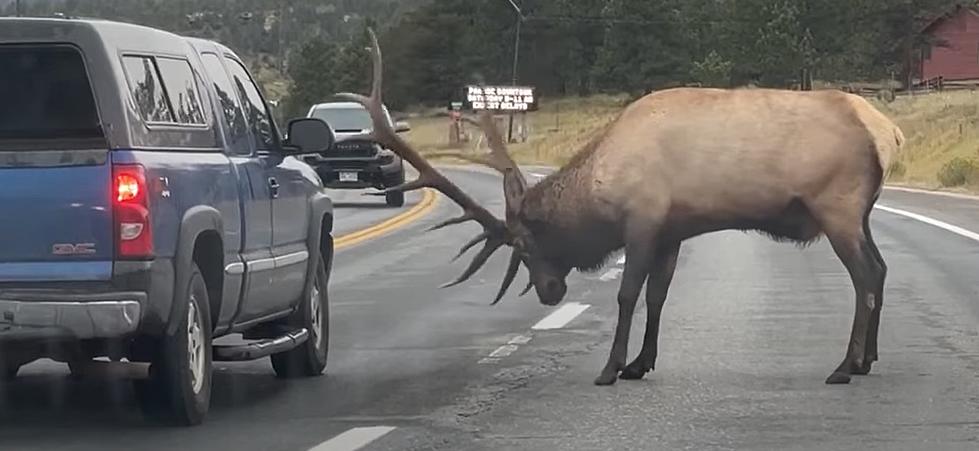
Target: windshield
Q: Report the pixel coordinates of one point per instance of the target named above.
(345, 119)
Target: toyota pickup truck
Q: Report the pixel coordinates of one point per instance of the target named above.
(148, 206)
(357, 163)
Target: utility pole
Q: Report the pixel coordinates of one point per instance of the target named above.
(516, 59)
(17, 7)
(281, 44)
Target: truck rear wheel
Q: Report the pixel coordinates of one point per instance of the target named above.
(8, 371)
(179, 387)
(309, 358)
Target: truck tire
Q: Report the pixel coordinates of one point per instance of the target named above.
(395, 199)
(178, 390)
(309, 358)
(8, 371)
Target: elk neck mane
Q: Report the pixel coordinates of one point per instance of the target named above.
(565, 216)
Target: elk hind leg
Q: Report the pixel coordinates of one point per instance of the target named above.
(854, 249)
(657, 286)
(877, 291)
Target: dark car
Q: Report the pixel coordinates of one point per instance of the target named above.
(149, 206)
(355, 163)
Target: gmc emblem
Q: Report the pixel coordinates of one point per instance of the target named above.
(73, 249)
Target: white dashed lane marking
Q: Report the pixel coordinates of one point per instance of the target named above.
(931, 221)
(503, 351)
(561, 316)
(353, 439)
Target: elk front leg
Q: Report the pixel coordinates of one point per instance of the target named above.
(638, 257)
(657, 286)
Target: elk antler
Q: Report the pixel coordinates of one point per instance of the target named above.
(495, 233)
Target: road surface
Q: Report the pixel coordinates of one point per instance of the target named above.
(750, 331)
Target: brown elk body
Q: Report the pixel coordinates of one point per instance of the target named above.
(684, 162)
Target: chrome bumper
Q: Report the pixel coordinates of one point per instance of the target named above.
(89, 317)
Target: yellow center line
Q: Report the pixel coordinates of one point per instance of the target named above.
(423, 207)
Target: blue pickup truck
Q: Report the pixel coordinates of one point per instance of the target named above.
(148, 205)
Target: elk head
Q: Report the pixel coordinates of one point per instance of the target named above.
(546, 275)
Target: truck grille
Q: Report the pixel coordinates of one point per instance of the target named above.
(358, 149)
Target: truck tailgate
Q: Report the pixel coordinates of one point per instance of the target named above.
(56, 223)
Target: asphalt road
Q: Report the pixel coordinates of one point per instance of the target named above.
(750, 331)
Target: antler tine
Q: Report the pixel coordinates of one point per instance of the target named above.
(511, 273)
(478, 239)
(452, 221)
(527, 288)
(413, 185)
(428, 176)
(498, 148)
(479, 260)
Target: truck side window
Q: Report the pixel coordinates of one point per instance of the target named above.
(258, 116)
(229, 103)
(181, 86)
(144, 82)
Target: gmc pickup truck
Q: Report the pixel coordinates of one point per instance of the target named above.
(148, 205)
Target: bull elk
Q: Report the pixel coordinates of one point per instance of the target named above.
(676, 164)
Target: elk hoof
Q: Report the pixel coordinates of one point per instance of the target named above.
(634, 371)
(862, 370)
(838, 378)
(606, 378)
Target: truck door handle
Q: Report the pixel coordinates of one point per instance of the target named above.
(274, 187)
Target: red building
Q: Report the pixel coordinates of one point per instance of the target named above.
(955, 53)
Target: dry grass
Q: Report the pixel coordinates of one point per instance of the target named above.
(555, 132)
(938, 126)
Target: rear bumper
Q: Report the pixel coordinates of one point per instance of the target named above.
(40, 315)
(137, 302)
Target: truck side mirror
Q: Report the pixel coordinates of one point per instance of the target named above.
(309, 135)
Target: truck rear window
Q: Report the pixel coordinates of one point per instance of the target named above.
(46, 96)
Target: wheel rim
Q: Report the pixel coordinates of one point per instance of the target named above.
(195, 347)
(316, 322)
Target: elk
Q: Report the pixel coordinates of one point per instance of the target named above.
(673, 165)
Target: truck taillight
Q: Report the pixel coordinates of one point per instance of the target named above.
(134, 236)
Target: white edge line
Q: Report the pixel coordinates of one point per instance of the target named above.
(561, 316)
(931, 221)
(932, 192)
(503, 351)
(353, 439)
(509, 348)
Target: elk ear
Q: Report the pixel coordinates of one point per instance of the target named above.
(514, 187)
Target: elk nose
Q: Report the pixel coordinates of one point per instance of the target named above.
(552, 292)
